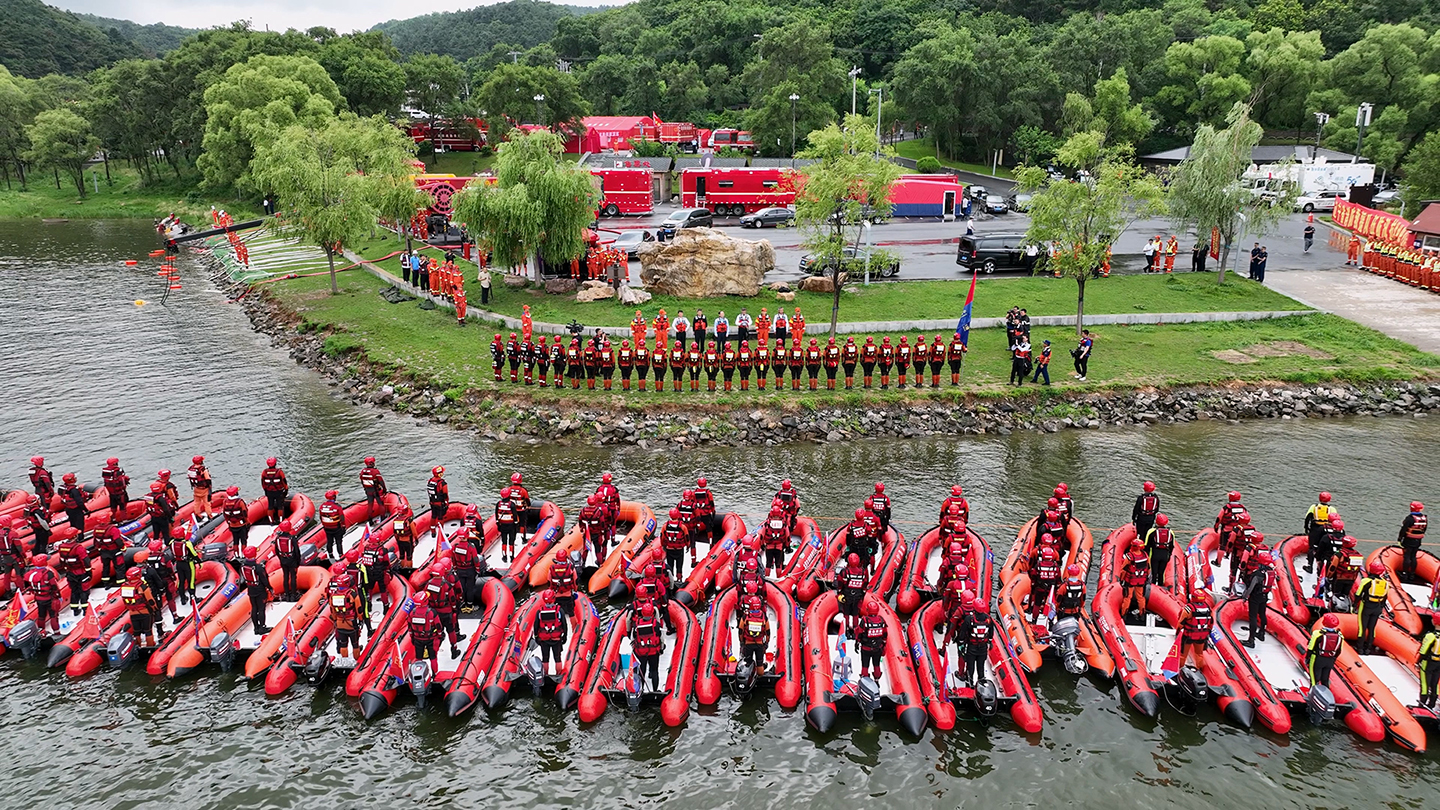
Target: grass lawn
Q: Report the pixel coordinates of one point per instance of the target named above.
(1310, 348)
(125, 199)
(908, 300)
(459, 163)
(922, 147)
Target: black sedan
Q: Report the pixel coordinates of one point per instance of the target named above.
(994, 204)
(854, 265)
(768, 217)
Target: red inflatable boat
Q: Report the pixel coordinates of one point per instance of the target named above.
(614, 673)
(714, 550)
(216, 585)
(888, 565)
(1388, 679)
(1031, 640)
(832, 665)
(1141, 652)
(922, 570)
(720, 649)
(1411, 604)
(634, 527)
(942, 683)
(230, 635)
(519, 659)
(807, 547)
(319, 637)
(1078, 546)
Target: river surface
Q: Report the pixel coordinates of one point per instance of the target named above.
(89, 374)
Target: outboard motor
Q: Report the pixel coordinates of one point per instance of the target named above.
(222, 651)
(121, 651)
(987, 698)
(419, 679)
(743, 683)
(1187, 690)
(219, 552)
(535, 671)
(309, 553)
(1063, 635)
(317, 667)
(868, 696)
(635, 691)
(1320, 705)
(25, 637)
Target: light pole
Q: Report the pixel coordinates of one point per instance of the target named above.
(854, 74)
(539, 99)
(878, 109)
(1362, 120)
(1321, 119)
(793, 98)
(515, 57)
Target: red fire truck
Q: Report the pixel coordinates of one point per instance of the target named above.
(730, 138)
(464, 135)
(626, 190)
(680, 134)
(732, 192)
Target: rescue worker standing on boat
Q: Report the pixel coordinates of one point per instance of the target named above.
(1317, 529)
(1370, 596)
(871, 638)
(276, 488)
(1147, 506)
(1429, 664)
(257, 587)
(1323, 649)
(1412, 535)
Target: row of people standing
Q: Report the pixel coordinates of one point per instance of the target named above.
(727, 364)
(661, 329)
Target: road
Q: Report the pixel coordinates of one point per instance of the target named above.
(927, 246)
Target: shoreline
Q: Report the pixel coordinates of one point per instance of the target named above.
(681, 424)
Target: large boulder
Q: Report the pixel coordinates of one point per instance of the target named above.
(703, 263)
(630, 296)
(817, 284)
(594, 290)
(560, 286)
(515, 282)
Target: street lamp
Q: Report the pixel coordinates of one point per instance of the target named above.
(1362, 120)
(793, 98)
(539, 99)
(878, 108)
(1321, 119)
(854, 73)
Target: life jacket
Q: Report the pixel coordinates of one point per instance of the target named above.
(331, 515)
(286, 545)
(872, 634)
(9, 545)
(136, 598)
(562, 577)
(882, 504)
(850, 354)
(1345, 567)
(505, 512)
(1137, 569)
(404, 534)
(776, 533)
(1321, 512)
(237, 512)
(199, 477)
(159, 507)
(424, 625)
(343, 610)
(115, 479)
(957, 351)
(754, 628)
(704, 503)
(1048, 571)
(674, 536)
(857, 536)
(549, 624)
(272, 480)
(1326, 643)
(1198, 624)
(1430, 649)
(107, 541)
(1416, 529)
(42, 480)
(1233, 514)
(1071, 599)
(371, 479)
(72, 497)
(981, 628)
(1373, 590)
(462, 556)
(254, 574)
(1149, 504)
(73, 558)
(647, 640)
(1159, 537)
(854, 581)
(437, 491)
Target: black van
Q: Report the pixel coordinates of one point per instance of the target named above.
(995, 251)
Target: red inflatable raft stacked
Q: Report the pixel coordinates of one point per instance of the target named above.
(519, 659)
(720, 649)
(714, 550)
(832, 666)
(922, 568)
(941, 678)
(882, 581)
(614, 673)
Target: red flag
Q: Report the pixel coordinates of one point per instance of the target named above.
(91, 624)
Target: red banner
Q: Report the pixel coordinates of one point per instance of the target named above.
(1215, 243)
(1381, 226)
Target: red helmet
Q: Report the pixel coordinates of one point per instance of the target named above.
(38, 461)
(653, 570)
(133, 575)
(1324, 497)
(40, 560)
(688, 495)
(605, 479)
(471, 509)
(879, 487)
(369, 461)
(859, 513)
(517, 478)
(232, 491)
(1416, 506)
(1059, 492)
(1063, 487)
(156, 486)
(1047, 539)
(870, 607)
(886, 341)
(751, 586)
(443, 566)
(337, 569)
(197, 459)
(250, 552)
(1072, 571)
(505, 493)
(112, 462)
(1049, 553)
(164, 475)
(814, 342)
(752, 564)
(440, 470)
(1162, 519)
(1234, 497)
(870, 503)
(1348, 543)
(1137, 544)
(1337, 524)
(1330, 622)
(1148, 486)
(68, 478)
(284, 526)
(331, 494)
(647, 609)
(962, 572)
(1201, 597)
(853, 559)
(593, 500)
(547, 596)
(155, 546)
(1375, 568)
(422, 596)
(701, 482)
(967, 601)
(785, 485)
(1052, 502)
(1265, 557)
(956, 491)
(674, 513)
(271, 462)
(1051, 514)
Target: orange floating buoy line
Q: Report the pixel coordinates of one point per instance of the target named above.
(168, 271)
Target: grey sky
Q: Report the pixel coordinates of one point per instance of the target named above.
(342, 15)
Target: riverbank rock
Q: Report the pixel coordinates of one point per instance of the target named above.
(515, 282)
(704, 263)
(785, 296)
(560, 286)
(632, 297)
(817, 284)
(594, 290)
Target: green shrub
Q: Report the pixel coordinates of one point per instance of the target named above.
(927, 165)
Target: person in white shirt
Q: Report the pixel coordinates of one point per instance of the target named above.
(743, 323)
(1149, 251)
(721, 324)
(780, 327)
(681, 327)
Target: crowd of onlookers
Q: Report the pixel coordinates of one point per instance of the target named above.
(1034, 362)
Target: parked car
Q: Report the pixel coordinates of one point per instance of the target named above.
(866, 213)
(1319, 201)
(684, 218)
(1020, 201)
(631, 240)
(995, 251)
(1385, 197)
(854, 265)
(977, 192)
(994, 204)
(768, 217)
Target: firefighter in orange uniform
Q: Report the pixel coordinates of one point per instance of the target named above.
(797, 363)
(626, 360)
(919, 356)
(1171, 248)
(903, 356)
(694, 360)
(744, 362)
(813, 360)
(638, 327)
(849, 358)
(832, 364)
(762, 359)
(729, 359)
(869, 355)
(1352, 252)
(956, 356)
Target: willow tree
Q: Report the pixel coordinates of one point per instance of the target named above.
(1079, 219)
(1206, 193)
(398, 200)
(329, 180)
(539, 206)
(848, 182)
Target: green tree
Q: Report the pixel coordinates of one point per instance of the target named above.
(328, 180)
(1385, 67)
(1281, 15)
(509, 95)
(433, 83)
(938, 82)
(1033, 146)
(15, 115)
(365, 68)
(1204, 81)
(62, 140)
(1111, 112)
(121, 106)
(1082, 218)
(1283, 67)
(256, 101)
(1384, 143)
(850, 168)
(1206, 191)
(540, 205)
(1422, 173)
